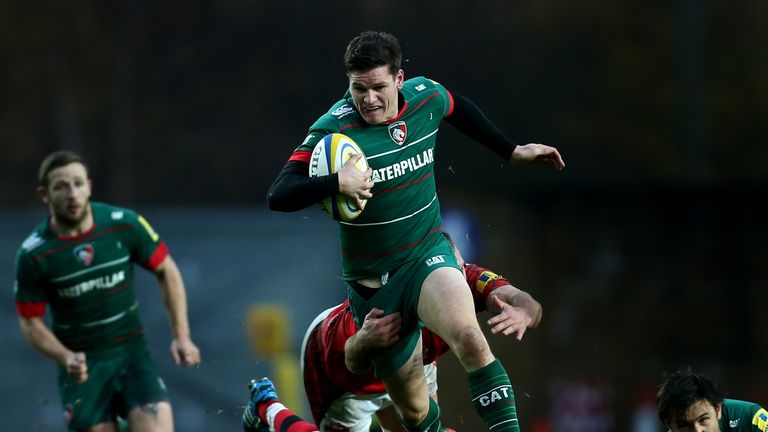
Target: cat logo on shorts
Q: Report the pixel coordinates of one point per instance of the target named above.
(84, 253)
(398, 132)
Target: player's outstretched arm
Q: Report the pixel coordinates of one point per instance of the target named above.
(472, 122)
(514, 311)
(183, 350)
(40, 336)
(378, 331)
(537, 153)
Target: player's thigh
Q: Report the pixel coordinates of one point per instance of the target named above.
(89, 405)
(446, 307)
(140, 381)
(151, 417)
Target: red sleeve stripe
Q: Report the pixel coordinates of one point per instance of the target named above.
(160, 253)
(30, 310)
(450, 103)
(301, 156)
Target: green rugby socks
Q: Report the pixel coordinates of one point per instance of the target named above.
(493, 397)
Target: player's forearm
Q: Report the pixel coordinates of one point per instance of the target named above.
(40, 336)
(472, 122)
(294, 190)
(523, 300)
(356, 357)
(518, 298)
(175, 298)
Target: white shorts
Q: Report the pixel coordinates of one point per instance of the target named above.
(353, 412)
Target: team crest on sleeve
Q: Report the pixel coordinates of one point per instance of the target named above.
(398, 132)
(84, 253)
(485, 278)
(760, 420)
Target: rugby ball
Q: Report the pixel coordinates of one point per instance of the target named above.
(329, 155)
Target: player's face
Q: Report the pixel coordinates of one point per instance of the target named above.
(68, 193)
(375, 93)
(700, 417)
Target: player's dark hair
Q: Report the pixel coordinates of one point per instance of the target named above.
(55, 160)
(681, 390)
(372, 49)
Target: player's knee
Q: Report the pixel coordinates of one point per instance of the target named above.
(471, 348)
(152, 416)
(412, 415)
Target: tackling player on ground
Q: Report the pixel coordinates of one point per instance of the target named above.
(393, 255)
(342, 401)
(79, 262)
(688, 402)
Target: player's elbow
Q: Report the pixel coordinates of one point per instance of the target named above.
(280, 198)
(277, 202)
(29, 327)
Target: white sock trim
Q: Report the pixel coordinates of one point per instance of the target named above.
(272, 412)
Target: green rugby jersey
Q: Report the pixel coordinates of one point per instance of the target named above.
(403, 217)
(741, 416)
(88, 279)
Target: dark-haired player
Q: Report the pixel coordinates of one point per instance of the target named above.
(690, 402)
(393, 255)
(79, 262)
(343, 401)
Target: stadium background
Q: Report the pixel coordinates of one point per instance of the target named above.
(646, 252)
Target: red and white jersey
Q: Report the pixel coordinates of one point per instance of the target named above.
(326, 377)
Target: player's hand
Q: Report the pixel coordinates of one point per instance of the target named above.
(510, 319)
(77, 367)
(355, 183)
(537, 153)
(185, 353)
(378, 330)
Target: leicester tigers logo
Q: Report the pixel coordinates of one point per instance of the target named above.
(84, 253)
(398, 131)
